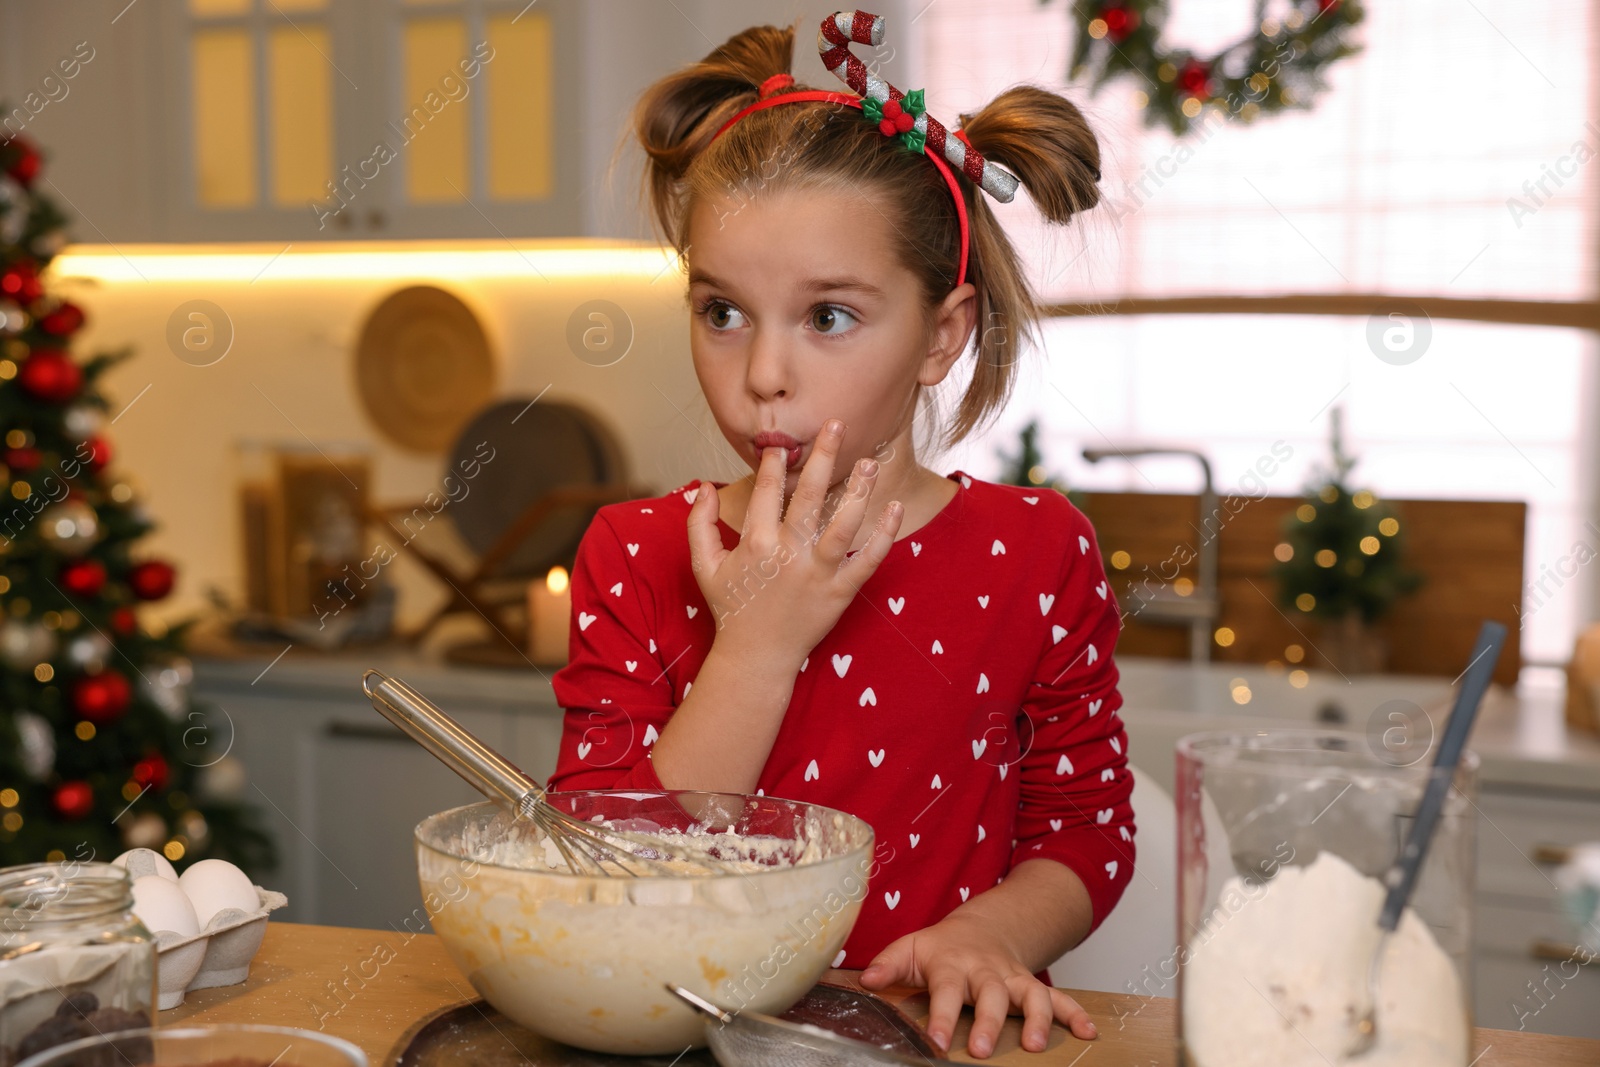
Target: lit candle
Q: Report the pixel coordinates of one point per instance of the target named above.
(549, 617)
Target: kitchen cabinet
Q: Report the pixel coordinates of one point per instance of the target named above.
(341, 790)
(312, 120)
(1529, 973)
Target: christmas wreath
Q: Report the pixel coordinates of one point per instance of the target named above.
(1278, 65)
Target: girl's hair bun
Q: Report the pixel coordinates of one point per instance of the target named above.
(1042, 138)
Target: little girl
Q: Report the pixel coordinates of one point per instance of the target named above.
(846, 627)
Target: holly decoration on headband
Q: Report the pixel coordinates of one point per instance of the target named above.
(897, 118)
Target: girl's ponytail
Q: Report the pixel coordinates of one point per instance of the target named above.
(1042, 138)
(676, 117)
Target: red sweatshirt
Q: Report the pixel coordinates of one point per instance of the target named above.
(965, 704)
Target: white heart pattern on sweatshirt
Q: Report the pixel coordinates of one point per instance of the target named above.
(690, 494)
(964, 892)
(1094, 707)
(1045, 600)
(650, 735)
(1057, 633)
(1108, 775)
(937, 784)
(892, 899)
(652, 644)
(1030, 500)
(1003, 768)
(896, 603)
(631, 664)
(1101, 589)
(875, 758)
(938, 649)
(616, 590)
(916, 839)
(692, 610)
(1055, 824)
(998, 548)
(1103, 816)
(1083, 544)
(633, 548)
(916, 549)
(983, 682)
(983, 601)
(981, 832)
(838, 961)
(812, 774)
(1111, 869)
(1064, 765)
(978, 746)
(584, 619)
(841, 663)
(867, 697)
(583, 749)
(1093, 654)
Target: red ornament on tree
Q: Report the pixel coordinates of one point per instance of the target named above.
(151, 771)
(99, 453)
(1195, 79)
(1119, 22)
(124, 621)
(20, 282)
(25, 167)
(66, 318)
(152, 579)
(73, 800)
(51, 375)
(83, 577)
(101, 697)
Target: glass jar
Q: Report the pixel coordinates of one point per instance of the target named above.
(74, 959)
(1284, 837)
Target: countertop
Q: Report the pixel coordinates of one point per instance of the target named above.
(1521, 737)
(312, 977)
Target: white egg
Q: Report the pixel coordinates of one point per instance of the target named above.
(147, 861)
(162, 905)
(216, 884)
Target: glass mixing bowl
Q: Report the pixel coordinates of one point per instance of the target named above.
(583, 958)
(201, 1046)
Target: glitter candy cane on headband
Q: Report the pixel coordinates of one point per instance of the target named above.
(843, 28)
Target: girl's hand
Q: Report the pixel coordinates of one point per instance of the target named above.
(961, 961)
(783, 586)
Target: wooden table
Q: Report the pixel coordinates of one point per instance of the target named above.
(369, 986)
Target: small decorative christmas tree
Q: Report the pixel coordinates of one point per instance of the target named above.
(1341, 559)
(101, 748)
(1026, 467)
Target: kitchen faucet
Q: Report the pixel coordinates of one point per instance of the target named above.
(1164, 605)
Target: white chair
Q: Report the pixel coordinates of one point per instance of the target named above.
(1135, 949)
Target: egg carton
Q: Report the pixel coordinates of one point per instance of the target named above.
(216, 956)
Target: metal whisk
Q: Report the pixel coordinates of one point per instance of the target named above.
(586, 847)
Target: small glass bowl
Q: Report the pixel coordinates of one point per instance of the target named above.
(196, 1046)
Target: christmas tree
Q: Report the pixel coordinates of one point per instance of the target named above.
(101, 748)
(1026, 466)
(1341, 556)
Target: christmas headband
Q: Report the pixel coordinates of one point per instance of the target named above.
(896, 114)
